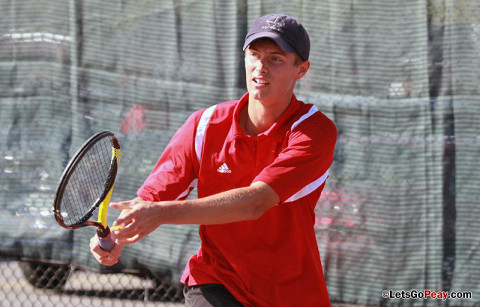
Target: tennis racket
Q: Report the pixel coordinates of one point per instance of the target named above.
(86, 186)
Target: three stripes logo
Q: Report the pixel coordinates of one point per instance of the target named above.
(224, 169)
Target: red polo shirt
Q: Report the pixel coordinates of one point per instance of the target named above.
(274, 260)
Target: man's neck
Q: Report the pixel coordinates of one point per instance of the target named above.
(257, 117)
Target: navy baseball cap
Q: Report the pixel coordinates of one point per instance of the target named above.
(286, 31)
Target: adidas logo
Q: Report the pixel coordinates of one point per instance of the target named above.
(224, 169)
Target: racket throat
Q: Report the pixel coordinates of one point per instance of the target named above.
(103, 232)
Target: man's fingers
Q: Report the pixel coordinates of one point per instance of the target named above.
(135, 221)
(124, 221)
(128, 230)
(127, 204)
(122, 205)
(129, 234)
(127, 215)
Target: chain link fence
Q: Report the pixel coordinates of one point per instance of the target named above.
(25, 283)
(39, 284)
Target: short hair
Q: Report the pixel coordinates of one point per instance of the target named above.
(298, 59)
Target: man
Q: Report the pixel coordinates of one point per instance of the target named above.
(259, 164)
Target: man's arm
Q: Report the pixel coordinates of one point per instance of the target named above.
(140, 217)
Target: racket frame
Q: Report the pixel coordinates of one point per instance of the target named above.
(103, 231)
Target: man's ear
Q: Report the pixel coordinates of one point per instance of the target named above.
(302, 69)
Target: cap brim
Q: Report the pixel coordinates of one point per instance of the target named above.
(274, 36)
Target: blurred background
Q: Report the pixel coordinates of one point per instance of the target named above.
(400, 79)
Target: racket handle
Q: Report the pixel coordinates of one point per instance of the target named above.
(105, 240)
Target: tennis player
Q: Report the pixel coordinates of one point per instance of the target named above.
(259, 164)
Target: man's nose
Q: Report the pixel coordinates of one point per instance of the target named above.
(260, 65)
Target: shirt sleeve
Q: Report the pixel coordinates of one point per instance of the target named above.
(175, 172)
(302, 166)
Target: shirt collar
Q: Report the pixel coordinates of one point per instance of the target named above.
(276, 131)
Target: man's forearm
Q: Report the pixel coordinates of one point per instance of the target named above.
(140, 217)
(235, 205)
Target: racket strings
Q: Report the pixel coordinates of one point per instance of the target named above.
(88, 183)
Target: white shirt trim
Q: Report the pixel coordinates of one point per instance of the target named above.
(308, 188)
(317, 183)
(192, 185)
(310, 112)
(202, 126)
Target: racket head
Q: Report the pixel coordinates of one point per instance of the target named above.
(86, 181)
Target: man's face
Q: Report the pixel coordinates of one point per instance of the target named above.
(271, 73)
